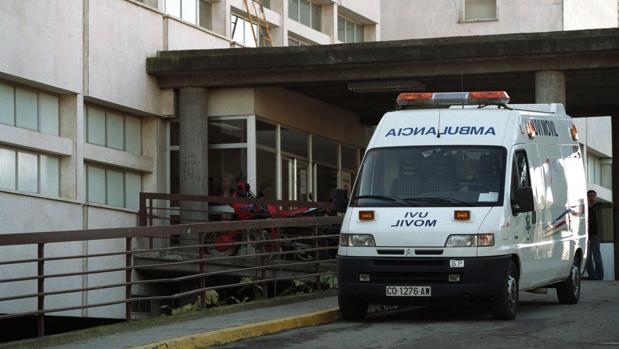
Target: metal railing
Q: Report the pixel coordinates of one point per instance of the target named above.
(255, 251)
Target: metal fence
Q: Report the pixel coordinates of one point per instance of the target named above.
(251, 253)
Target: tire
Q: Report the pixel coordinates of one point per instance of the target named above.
(505, 305)
(352, 309)
(568, 290)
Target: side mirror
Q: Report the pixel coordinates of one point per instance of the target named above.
(340, 200)
(524, 201)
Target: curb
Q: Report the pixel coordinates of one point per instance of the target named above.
(228, 335)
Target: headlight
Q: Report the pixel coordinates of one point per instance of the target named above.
(357, 240)
(470, 240)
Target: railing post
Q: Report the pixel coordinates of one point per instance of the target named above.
(142, 212)
(128, 264)
(150, 221)
(201, 257)
(150, 212)
(317, 266)
(40, 289)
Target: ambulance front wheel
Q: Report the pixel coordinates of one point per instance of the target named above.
(568, 291)
(352, 309)
(505, 305)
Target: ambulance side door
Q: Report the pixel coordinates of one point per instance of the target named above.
(524, 223)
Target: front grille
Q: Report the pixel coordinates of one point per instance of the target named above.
(409, 278)
(407, 262)
(393, 252)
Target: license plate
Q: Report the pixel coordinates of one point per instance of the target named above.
(408, 291)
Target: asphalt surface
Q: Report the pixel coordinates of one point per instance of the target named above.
(541, 323)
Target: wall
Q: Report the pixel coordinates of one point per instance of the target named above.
(580, 14)
(414, 19)
(118, 46)
(290, 109)
(596, 132)
(16, 214)
(95, 54)
(41, 41)
(301, 112)
(184, 37)
(369, 9)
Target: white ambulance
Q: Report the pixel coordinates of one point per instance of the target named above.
(467, 198)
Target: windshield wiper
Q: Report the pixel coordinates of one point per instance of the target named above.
(439, 200)
(400, 201)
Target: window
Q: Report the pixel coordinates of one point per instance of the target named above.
(349, 158)
(151, 3)
(266, 145)
(349, 31)
(29, 109)
(196, 12)
(479, 10)
(292, 41)
(293, 143)
(431, 176)
(324, 151)
(225, 168)
(227, 131)
(306, 12)
(114, 130)
(243, 32)
(114, 187)
(29, 172)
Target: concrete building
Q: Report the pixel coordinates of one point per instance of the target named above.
(84, 128)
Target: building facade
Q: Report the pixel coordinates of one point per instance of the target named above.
(84, 128)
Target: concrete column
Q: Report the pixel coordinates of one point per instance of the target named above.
(329, 21)
(550, 87)
(70, 115)
(615, 176)
(193, 154)
(221, 17)
(279, 34)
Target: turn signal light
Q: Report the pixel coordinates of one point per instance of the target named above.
(574, 132)
(366, 215)
(531, 130)
(462, 215)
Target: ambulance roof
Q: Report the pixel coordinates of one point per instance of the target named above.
(473, 125)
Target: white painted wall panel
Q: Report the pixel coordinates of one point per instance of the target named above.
(184, 37)
(122, 35)
(579, 14)
(413, 19)
(41, 41)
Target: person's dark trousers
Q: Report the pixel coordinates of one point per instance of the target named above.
(594, 266)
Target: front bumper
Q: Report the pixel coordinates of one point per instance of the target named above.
(480, 278)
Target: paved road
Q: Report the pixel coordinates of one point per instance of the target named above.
(541, 323)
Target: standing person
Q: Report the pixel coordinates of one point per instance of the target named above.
(594, 266)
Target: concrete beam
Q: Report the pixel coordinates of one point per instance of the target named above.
(586, 49)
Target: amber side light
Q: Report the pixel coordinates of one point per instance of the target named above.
(462, 215)
(574, 132)
(366, 215)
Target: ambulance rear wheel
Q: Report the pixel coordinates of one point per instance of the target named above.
(505, 305)
(352, 309)
(568, 291)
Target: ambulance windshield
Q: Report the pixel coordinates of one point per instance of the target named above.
(431, 176)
